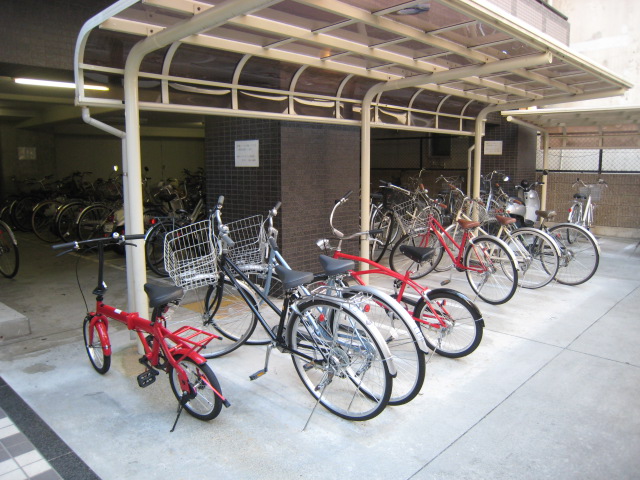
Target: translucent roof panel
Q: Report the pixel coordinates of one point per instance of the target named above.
(316, 59)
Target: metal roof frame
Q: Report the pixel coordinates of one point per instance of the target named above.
(376, 52)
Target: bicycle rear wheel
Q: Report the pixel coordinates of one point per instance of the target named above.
(43, 221)
(451, 324)
(154, 248)
(92, 221)
(9, 257)
(579, 253)
(537, 256)
(400, 263)
(381, 221)
(67, 220)
(339, 359)
(203, 402)
(491, 271)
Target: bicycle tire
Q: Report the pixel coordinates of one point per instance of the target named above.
(537, 255)
(464, 324)
(100, 361)
(205, 405)
(9, 254)
(381, 221)
(67, 220)
(575, 214)
(579, 253)
(491, 269)
(400, 263)
(154, 248)
(226, 313)
(43, 220)
(91, 221)
(342, 353)
(21, 213)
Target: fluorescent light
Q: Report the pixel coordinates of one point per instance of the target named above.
(50, 83)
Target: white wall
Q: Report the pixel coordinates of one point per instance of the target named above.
(606, 31)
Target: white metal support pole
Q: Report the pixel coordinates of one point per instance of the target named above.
(545, 167)
(132, 165)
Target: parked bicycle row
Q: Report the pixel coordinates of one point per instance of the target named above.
(76, 208)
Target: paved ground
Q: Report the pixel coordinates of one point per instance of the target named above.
(552, 392)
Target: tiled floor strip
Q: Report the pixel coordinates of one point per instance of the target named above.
(29, 449)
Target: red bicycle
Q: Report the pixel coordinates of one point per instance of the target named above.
(177, 353)
(450, 322)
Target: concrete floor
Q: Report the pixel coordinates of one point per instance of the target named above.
(552, 391)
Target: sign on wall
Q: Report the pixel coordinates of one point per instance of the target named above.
(493, 147)
(247, 153)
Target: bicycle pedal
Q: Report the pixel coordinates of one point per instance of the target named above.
(147, 378)
(308, 366)
(445, 282)
(257, 375)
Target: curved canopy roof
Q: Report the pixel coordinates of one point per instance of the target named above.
(441, 61)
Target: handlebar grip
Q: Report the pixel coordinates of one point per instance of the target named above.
(277, 207)
(375, 231)
(347, 195)
(220, 201)
(60, 246)
(138, 236)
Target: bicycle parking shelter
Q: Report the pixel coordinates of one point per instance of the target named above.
(429, 66)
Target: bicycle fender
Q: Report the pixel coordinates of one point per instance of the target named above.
(506, 247)
(408, 321)
(101, 327)
(188, 352)
(544, 234)
(463, 298)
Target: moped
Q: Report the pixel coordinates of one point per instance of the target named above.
(524, 206)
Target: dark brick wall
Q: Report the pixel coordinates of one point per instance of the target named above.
(305, 166)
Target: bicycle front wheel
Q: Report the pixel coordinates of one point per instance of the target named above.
(92, 221)
(203, 403)
(154, 248)
(451, 324)
(95, 349)
(579, 253)
(491, 271)
(537, 256)
(380, 241)
(339, 359)
(9, 257)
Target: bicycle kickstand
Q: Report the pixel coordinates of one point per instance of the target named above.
(183, 400)
(260, 373)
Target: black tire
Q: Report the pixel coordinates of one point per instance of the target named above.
(228, 315)
(67, 220)
(21, 213)
(575, 216)
(9, 255)
(43, 221)
(491, 271)
(95, 349)
(380, 243)
(205, 404)
(344, 365)
(399, 263)
(92, 221)
(154, 248)
(463, 325)
(579, 253)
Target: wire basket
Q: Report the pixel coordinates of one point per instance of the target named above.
(250, 241)
(595, 190)
(190, 255)
(477, 211)
(412, 214)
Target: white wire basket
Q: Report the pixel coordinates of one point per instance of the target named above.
(595, 190)
(190, 255)
(250, 241)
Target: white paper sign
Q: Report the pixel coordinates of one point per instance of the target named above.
(493, 147)
(247, 153)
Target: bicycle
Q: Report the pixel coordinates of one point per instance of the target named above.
(192, 380)
(583, 209)
(340, 358)
(256, 253)
(9, 256)
(490, 265)
(451, 323)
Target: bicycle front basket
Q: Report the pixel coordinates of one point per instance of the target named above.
(250, 241)
(190, 255)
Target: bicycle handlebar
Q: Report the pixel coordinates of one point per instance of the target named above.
(115, 238)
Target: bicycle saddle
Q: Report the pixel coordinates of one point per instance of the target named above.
(417, 254)
(162, 294)
(336, 266)
(292, 278)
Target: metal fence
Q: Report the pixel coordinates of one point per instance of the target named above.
(599, 160)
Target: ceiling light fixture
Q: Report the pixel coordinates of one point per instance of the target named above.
(50, 83)
(415, 10)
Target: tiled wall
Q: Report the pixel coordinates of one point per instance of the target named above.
(305, 166)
